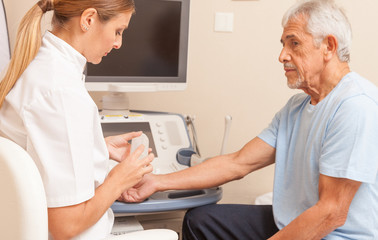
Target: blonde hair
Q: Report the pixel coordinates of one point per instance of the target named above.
(29, 38)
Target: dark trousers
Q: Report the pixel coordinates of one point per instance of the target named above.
(228, 222)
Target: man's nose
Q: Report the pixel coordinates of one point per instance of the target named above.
(284, 56)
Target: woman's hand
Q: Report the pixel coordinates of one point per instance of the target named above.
(119, 146)
(71, 220)
(130, 171)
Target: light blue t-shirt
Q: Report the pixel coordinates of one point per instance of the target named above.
(338, 137)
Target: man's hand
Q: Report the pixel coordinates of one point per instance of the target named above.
(119, 146)
(145, 188)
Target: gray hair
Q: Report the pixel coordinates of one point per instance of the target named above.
(324, 18)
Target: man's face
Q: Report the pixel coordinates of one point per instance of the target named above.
(303, 61)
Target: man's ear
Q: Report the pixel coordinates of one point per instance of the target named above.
(331, 44)
(88, 18)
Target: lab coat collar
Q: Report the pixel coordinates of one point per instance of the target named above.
(66, 50)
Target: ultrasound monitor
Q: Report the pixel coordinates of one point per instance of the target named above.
(153, 56)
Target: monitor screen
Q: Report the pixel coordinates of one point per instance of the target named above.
(153, 56)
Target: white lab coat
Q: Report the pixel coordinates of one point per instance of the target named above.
(51, 115)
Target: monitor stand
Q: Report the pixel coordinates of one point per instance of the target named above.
(115, 103)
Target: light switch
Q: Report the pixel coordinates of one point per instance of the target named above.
(224, 22)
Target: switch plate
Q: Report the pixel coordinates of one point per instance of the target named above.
(224, 22)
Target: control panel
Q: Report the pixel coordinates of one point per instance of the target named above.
(167, 133)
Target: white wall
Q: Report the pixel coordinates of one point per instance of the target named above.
(239, 74)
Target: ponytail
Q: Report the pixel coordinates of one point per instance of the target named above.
(27, 45)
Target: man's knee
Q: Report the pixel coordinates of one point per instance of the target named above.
(196, 223)
(196, 217)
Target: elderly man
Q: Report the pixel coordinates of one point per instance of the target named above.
(323, 142)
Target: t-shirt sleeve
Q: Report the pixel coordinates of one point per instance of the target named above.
(350, 144)
(269, 134)
(60, 140)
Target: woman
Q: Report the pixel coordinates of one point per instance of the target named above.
(46, 109)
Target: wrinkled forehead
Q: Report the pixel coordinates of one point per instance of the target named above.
(298, 19)
(295, 28)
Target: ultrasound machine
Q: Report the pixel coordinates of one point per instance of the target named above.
(153, 58)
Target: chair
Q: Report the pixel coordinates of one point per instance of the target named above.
(23, 203)
(265, 199)
(23, 207)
